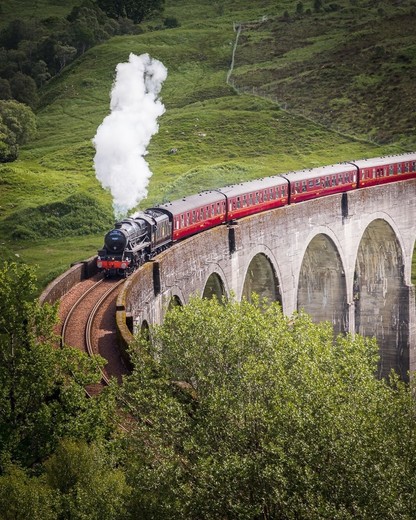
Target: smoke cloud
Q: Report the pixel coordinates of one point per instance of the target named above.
(123, 136)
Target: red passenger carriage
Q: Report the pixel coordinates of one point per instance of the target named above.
(196, 213)
(386, 169)
(254, 196)
(317, 182)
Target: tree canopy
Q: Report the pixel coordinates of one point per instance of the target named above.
(17, 126)
(245, 413)
(233, 411)
(42, 396)
(137, 10)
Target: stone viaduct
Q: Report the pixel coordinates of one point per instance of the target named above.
(343, 258)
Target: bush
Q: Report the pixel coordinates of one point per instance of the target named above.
(77, 215)
(171, 22)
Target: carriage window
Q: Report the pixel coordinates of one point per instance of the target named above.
(406, 167)
(317, 182)
(296, 187)
(391, 169)
(257, 197)
(374, 173)
(218, 208)
(303, 185)
(238, 202)
(399, 168)
(310, 184)
(251, 199)
(271, 194)
(244, 201)
(340, 178)
(414, 166)
(334, 180)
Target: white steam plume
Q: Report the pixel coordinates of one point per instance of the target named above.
(122, 138)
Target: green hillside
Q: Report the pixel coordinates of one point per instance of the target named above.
(311, 88)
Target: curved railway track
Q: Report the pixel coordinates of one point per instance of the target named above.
(81, 327)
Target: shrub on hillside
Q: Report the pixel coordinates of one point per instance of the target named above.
(77, 215)
(171, 22)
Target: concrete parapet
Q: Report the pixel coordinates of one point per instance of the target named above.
(64, 283)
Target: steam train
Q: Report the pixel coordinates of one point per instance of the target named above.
(139, 238)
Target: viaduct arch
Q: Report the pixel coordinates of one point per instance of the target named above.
(344, 258)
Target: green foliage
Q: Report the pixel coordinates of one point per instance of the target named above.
(137, 10)
(17, 126)
(244, 413)
(77, 215)
(31, 52)
(171, 22)
(42, 396)
(26, 498)
(19, 119)
(8, 145)
(88, 486)
(5, 92)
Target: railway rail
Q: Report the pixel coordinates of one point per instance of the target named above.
(80, 326)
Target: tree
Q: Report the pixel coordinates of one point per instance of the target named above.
(20, 119)
(24, 89)
(244, 413)
(15, 32)
(9, 148)
(88, 485)
(42, 396)
(26, 498)
(137, 10)
(17, 126)
(64, 54)
(40, 73)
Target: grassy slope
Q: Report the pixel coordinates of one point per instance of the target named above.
(221, 137)
(353, 70)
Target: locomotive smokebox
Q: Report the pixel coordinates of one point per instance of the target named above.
(115, 240)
